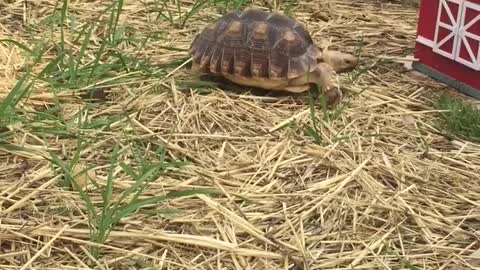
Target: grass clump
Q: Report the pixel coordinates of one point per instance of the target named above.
(79, 63)
(459, 118)
(115, 205)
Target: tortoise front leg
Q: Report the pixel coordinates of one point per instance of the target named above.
(327, 80)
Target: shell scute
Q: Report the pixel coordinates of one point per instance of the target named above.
(227, 60)
(304, 63)
(207, 56)
(296, 67)
(199, 49)
(242, 62)
(290, 43)
(278, 66)
(259, 64)
(210, 33)
(280, 21)
(233, 35)
(260, 36)
(215, 60)
(302, 33)
(255, 43)
(252, 14)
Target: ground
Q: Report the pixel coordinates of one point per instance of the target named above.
(254, 180)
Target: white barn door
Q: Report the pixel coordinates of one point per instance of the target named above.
(457, 32)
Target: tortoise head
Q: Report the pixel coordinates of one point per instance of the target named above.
(339, 61)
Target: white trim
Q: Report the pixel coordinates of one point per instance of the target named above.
(444, 53)
(458, 32)
(474, 61)
(447, 26)
(474, 7)
(472, 35)
(469, 49)
(445, 39)
(425, 41)
(467, 63)
(478, 58)
(449, 12)
(453, 28)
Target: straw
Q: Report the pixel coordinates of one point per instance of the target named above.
(378, 187)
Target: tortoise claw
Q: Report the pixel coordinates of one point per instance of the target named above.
(330, 85)
(333, 97)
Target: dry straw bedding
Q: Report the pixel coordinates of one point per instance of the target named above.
(391, 193)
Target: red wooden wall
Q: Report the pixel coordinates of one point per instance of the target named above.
(427, 18)
(426, 28)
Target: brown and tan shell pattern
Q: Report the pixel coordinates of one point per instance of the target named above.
(255, 43)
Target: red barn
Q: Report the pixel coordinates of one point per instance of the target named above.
(448, 43)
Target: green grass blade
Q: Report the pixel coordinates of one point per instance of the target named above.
(18, 92)
(48, 69)
(162, 212)
(96, 62)
(18, 44)
(134, 206)
(313, 130)
(114, 18)
(195, 9)
(14, 148)
(63, 17)
(107, 194)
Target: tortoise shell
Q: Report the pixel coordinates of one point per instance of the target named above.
(255, 44)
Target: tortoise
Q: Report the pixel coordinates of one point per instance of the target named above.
(268, 50)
